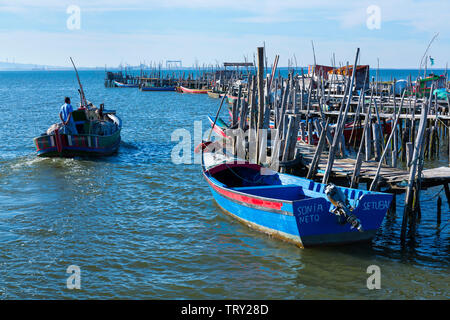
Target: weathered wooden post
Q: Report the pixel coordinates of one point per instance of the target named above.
(288, 139)
(376, 141)
(302, 91)
(234, 113)
(379, 136)
(358, 107)
(316, 159)
(368, 141)
(309, 126)
(260, 95)
(340, 125)
(241, 125)
(302, 131)
(373, 186)
(447, 193)
(409, 153)
(308, 106)
(393, 207)
(239, 101)
(439, 205)
(413, 169)
(284, 104)
(395, 146)
(294, 98)
(404, 139)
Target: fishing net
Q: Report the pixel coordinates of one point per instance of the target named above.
(103, 128)
(53, 128)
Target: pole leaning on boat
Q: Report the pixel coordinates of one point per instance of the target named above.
(83, 97)
(217, 114)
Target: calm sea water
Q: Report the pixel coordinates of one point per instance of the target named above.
(141, 227)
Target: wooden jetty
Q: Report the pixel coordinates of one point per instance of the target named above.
(394, 179)
(206, 78)
(303, 105)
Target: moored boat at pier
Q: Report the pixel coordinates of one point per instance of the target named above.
(291, 208)
(214, 95)
(125, 85)
(150, 88)
(197, 91)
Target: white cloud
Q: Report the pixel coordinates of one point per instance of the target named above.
(421, 15)
(428, 15)
(53, 48)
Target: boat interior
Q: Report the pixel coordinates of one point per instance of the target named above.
(97, 125)
(81, 121)
(249, 180)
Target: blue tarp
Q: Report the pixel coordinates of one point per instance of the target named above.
(441, 93)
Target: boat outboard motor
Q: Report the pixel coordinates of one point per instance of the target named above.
(343, 209)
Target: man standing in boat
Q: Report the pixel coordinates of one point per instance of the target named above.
(66, 117)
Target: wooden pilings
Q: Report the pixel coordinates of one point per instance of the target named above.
(320, 146)
(304, 108)
(261, 98)
(417, 155)
(340, 125)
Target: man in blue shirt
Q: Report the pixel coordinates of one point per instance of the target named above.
(66, 116)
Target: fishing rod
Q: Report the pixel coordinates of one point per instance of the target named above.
(82, 96)
(425, 53)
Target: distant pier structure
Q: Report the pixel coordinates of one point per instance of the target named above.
(174, 64)
(237, 65)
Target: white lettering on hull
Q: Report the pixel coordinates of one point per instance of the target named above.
(309, 218)
(376, 205)
(309, 213)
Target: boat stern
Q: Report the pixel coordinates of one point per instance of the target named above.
(318, 225)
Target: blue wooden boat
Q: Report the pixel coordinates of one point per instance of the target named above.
(219, 127)
(125, 85)
(150, 88)
(291, 208)
(95, 138)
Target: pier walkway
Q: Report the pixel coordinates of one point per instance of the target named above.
(395, 178)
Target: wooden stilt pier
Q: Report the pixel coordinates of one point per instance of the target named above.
(318, 119)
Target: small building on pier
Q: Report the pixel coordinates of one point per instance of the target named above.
(340, 75)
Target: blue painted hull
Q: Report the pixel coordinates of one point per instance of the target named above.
(158, 88)
(297, 210)
(125, 85)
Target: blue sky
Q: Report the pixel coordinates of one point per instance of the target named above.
(133, 31)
